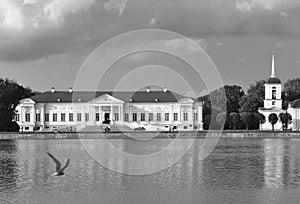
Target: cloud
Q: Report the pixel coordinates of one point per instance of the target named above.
(202, 42)
(116, 5)
(283, 14)
(153, 21)
(281, 45)
(29, 2)
(11, 16)
(56, 10)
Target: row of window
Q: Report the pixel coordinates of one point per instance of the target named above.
(158, 117)
(54, 117)
(97, 117)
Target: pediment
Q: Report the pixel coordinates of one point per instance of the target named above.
(106, 99)
(27, 101)
(186, 100)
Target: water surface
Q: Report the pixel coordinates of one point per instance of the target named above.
(237, 171)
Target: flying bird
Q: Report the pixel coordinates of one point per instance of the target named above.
(59, 169)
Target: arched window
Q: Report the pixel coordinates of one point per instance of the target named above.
(273, 92)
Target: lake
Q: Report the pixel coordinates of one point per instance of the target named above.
(237, 171)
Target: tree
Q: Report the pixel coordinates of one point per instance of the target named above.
(292, 89)
(227, 98)
(286, 119)
(254, 97)
(10, 95)
(207, 121)
(235, 119)
(260, 118)
(249, 119)
(273, 118)
(221, 119)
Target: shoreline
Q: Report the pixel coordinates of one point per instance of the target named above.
(148, 135)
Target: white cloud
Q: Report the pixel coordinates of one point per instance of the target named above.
(283, 14)
(153, 21)
(250, 5)
(116, 5)
(281, 45)
(28, 2)
(56, 10)
(11, 15)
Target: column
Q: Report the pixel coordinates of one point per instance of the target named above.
(111, 112)
(42, 115)
(34, 114)
(200, 116)
(120, 113)
(21, 114)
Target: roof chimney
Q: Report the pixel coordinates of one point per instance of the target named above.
(165, 89)
(70, 90)
(148, 89)
(52, 90)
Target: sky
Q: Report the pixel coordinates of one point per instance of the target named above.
(44, 43)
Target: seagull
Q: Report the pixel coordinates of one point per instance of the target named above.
(59, 169)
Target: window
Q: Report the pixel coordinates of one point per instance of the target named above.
(17, 117)
(185, 117)
(38, 117)
(26, 128)
(47, 117)
(97, 117)
(273, 92)
(195, 127)
(150, 116)
(134, 117)
(78, 116)
(166, 116)
(185, 127)
(196, 116)
(54, 117)
(87, 117)
(175, 116)
(273, 103)
(116, 116)
(71, 117)
(62, 117)
(143, 116)
(126, 117)
(27, 117)
(158, 116)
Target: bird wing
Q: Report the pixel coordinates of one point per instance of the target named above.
(67, 164)
(58, 165)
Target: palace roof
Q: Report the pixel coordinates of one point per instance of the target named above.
(126, 96)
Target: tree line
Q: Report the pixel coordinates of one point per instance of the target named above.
(239, 112)
(241, 109)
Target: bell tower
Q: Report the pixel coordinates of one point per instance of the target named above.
(273, 89)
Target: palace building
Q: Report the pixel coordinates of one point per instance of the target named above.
(72, 110)
(294, 111)
(272, 101)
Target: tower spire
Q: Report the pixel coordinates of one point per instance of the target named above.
(273, 65)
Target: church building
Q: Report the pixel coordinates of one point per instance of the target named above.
(147, 110)
(272, 101)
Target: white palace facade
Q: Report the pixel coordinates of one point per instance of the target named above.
(150, 110)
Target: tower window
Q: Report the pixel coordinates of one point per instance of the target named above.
(273, 94)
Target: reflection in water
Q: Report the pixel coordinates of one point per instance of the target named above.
(8, 165)
(238, 170)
